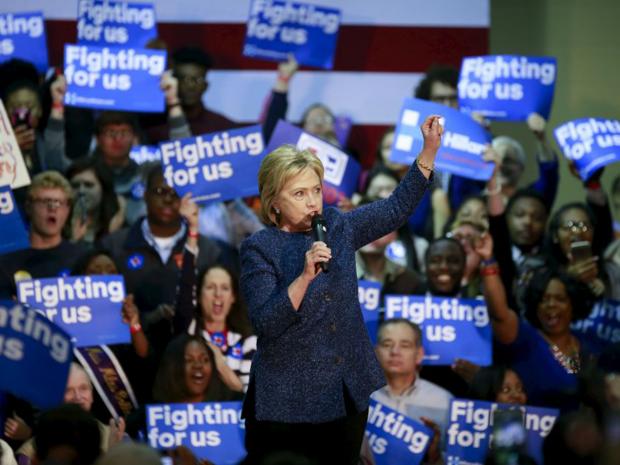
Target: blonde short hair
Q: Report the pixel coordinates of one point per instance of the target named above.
(50, 180)
(276, 169)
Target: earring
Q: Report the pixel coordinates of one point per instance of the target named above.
(277, 211)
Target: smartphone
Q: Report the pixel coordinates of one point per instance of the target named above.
(21, 117)
(581, 251)
(509, 436)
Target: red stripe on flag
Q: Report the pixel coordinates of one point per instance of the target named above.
(360, 48)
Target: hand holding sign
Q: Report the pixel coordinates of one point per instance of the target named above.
(170, 85)
(189, 211)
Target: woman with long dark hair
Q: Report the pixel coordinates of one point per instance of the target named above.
(97, 209)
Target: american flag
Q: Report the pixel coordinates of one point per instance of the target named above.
(384, 48)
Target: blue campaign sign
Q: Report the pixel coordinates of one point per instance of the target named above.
(341, 171)
(115, 23)
(35, 355)
(87, 307)
(470, 429)
(22, 35)
(602, 327)
(111, 78)
(507, 87)
(212, 430)
(591, 143)
(452, 328)
(395, 438)
(215, 167)
(462, 144)
(369, 294)
(277, 28)
(145, 153)
(13, 235)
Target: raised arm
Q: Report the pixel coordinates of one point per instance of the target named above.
(504, 320)
(54, 134)
(278, 100)
(379, 218)
(187, 287)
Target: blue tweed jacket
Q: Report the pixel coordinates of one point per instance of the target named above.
(305, 358)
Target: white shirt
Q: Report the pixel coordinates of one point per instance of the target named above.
(422, 399)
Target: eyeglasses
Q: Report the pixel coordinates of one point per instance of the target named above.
(445, 99)
(165, 192)
(576, 226)
(114, 134)
(50, 203)
(191, 80)
(326, 120)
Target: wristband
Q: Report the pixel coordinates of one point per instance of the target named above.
(593, 185)
(489, 262)
(193, 234)
(175, 104)
(489, 271)
(58, 105)
(133, 329)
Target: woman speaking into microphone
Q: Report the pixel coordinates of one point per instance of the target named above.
(314, 368)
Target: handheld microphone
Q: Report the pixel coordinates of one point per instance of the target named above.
(319, 233)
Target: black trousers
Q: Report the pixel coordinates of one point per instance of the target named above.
(336, 442)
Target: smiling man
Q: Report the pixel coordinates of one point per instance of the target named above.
(48, 204)
(445, 265)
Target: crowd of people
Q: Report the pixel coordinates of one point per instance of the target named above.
(92, 210)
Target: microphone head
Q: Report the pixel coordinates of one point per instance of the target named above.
(318, 220)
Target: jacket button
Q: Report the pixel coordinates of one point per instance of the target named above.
(332, 328)
(328, 297)
(338, 360)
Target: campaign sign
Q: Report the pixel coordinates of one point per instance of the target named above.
(13, 171)
(369, 294)
(452, 328)
(22, 35)
(145, 153)
(111, 78)
(215, 167)
(120, 24)
(13, 235)
(87, 307)
(462, 144)
(277, 28)
(470, 430)
(341, 171)
(212, 430)
(602, 327)
(395, 438)
(591, 143)
(35, 355)
(507, 87)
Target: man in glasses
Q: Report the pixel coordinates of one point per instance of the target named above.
(186, 110)
(48, 204)
(150, 253)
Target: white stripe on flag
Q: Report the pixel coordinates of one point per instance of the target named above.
(368, 98)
